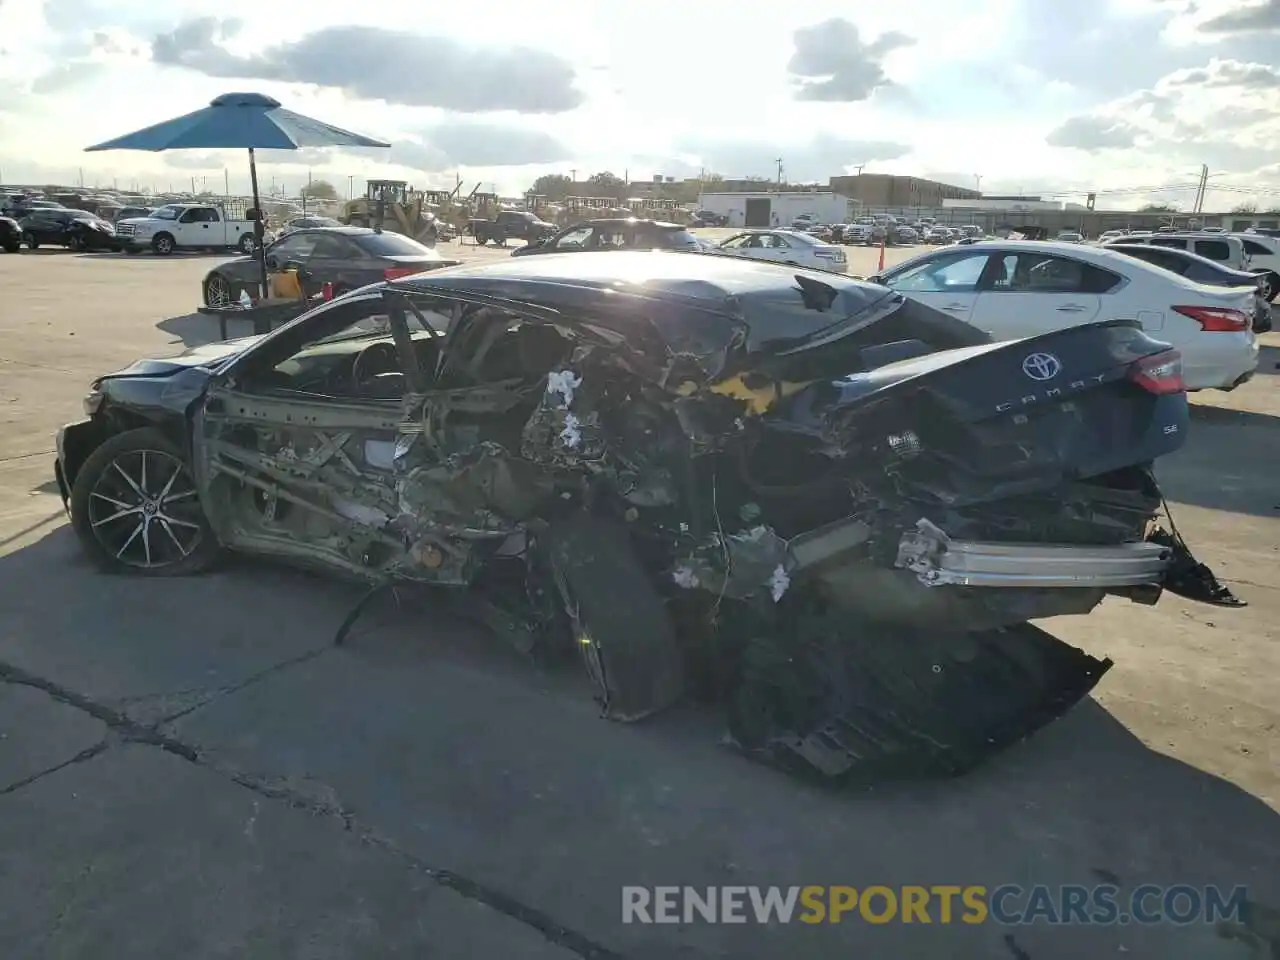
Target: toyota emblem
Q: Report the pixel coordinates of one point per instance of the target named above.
(1041, 366)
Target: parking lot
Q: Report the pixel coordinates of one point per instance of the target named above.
(190, 767)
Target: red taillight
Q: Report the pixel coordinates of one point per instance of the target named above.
(1216, 319)
(1159, 373)
(394, 273)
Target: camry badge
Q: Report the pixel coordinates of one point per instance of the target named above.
(1041, 366)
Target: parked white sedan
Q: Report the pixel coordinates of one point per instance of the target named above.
(1025, 288)
(786, 246)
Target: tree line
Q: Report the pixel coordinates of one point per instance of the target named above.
(556, 186)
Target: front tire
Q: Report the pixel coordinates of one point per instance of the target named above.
(13, 246)
(30, 240)
(78, 244)
(136, 510)
(162, 245)
(1273, 287)
(621, 626)
(247, 244)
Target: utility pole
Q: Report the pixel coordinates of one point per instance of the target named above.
(1201, 189)
(977, 182)
(573, 176)
(350, 180)
(779, 163)
(858, 167)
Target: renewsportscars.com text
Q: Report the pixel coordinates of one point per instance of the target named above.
(1008, 904)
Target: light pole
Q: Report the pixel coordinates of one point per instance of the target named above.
(977, 182)
(350, 180)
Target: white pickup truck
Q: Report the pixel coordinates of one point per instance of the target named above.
(187, 226)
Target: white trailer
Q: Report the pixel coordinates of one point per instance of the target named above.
(779, 209)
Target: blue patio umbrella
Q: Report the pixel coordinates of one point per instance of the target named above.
(240, 121)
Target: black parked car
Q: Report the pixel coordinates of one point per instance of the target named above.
(510, 225)
(707, 218)
(679, 467)
(130, 213)
(615, 234)
(18, 207)
(73, 229)
(347, 257)
(10, 235)
(1203, 270)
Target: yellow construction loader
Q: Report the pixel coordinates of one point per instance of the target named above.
(394, 205)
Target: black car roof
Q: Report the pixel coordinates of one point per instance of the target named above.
(345, 231)
(773, 300)
(644, 272)
(699, 304)
(1175, 252)
(626, 221)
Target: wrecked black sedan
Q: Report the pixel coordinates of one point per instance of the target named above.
(829, 507)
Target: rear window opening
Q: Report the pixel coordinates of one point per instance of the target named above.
(391, 245)
(678, 237)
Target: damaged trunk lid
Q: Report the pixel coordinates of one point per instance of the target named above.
(989, 421)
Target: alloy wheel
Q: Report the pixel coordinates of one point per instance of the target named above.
(143, 510)
(217, 292)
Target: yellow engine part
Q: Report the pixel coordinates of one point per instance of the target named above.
(758, 399)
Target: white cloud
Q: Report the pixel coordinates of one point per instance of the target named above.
(497, 92)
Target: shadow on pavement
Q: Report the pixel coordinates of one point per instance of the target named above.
(1230, 462)
(195, 329)
(437, 737)
(1268, 360)
(1209, 415)
(148, 255)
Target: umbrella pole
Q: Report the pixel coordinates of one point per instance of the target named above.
(260, 246)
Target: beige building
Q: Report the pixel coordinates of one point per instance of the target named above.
(886, 190)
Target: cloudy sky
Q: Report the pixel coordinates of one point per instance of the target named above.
(1123, 97)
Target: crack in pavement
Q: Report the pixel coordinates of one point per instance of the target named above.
(128, 730)
(87, 754)
(218, 693)
(27, 456)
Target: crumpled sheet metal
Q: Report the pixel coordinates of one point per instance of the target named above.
(564, 428)
(476, 489)
(739, 566)
(918, 551)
